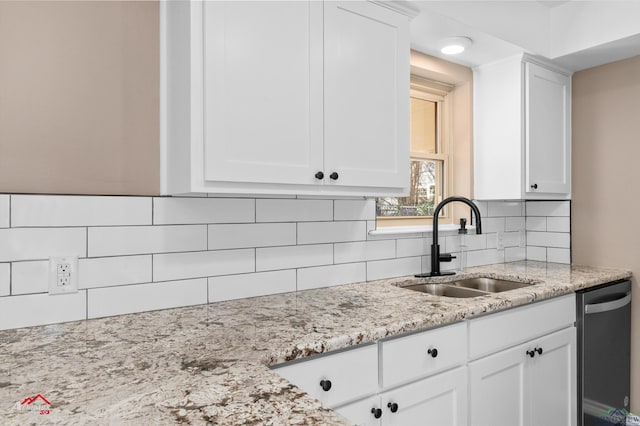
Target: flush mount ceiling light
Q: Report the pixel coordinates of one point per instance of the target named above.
(454, 45)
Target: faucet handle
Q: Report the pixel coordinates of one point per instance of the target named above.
(446, 257)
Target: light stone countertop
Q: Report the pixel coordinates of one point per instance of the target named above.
(209, 364)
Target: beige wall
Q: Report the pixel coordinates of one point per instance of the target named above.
(461, 78)
(606, 174)
(79, 97)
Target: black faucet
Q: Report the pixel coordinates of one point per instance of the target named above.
(436, 257)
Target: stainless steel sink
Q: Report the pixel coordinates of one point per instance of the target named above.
(468, 287)
(445, 290)
(490, 285)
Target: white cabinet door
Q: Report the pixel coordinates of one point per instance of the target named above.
(497, 389)
(263, 92)
(364, 412)
(438, 400)
(366, 95)
(547, 136)
(552, 381)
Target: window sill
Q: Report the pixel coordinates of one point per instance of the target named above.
(399, 230)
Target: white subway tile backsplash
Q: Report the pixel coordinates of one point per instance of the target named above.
(408, 247)
(504, 208)
(293, 210)
(537, 253)
(41, 243)
(112, 271)
(4, 211)
(119, 241)
(537, 224)
(329, 232)
(104, 302)
(364, 250)
(381, 269)
(175, 266)
(493, 224)
(178, 211)
(231, 287)
(511, 239)
(39, 309)
(326, 276)
(144, 253)
(515, 223)
(512, 254)
(74, 210)
(549, 239)
(273, 258)
(548, 208)
(5, 279)
(558, 224)
(484, 257)
(558, 255)
(30, 277)
(251, 235)
(355, 209)
(483, 207)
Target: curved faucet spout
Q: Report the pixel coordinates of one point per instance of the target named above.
(435, 247)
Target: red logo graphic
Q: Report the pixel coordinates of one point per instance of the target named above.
(30, 401)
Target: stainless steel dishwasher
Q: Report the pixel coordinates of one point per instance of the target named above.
(604, 345)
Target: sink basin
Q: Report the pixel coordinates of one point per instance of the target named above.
(490, 285)
(468, 287)
(445, 290)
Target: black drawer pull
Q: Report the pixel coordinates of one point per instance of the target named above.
(325, 385)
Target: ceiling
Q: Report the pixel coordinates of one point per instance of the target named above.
(575, 34)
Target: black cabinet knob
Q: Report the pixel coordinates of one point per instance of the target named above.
(534, 186)
(393, 407)
(539, 350)
(319, 175)
(333, 176)
(325, 385)
(531, 353)
(433, 352)
(377, 413)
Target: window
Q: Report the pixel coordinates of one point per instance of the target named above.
(430, 166)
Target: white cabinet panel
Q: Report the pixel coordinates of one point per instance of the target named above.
(547, 139)
(497, 331)
(411, 357)
(496, 383)
(438, 400)
(363, 413)
(552, 380)
(366, 95)
(352, 374)
(263, 91)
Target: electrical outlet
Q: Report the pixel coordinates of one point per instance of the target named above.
(63, 275)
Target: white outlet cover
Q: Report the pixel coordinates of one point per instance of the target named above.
(63, 275)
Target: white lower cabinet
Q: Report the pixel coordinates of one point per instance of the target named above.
(511, 368)
(440, 400)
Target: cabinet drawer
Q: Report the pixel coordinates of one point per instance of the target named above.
(502, 330)
(353, 374)
(418, 355)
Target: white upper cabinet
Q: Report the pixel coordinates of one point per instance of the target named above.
(522, 130)
(301, 97)
(262, 119)
(366, 97)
